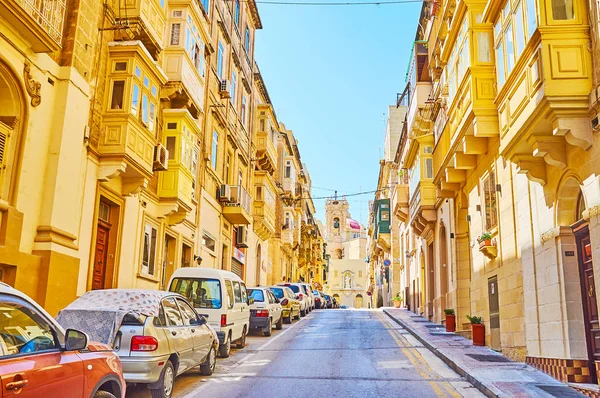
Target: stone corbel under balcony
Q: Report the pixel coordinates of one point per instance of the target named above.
(179, 97)
(533, 167)
(108, 170)
(475, 145)
(424, 221)
(133, 185)
(173, 211)
(551, 148)
(463, 161)
(576, 130)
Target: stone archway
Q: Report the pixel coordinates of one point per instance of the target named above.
(13, 121)
(358, 302)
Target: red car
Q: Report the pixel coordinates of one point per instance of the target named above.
(39, 359)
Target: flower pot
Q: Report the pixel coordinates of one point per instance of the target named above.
(484, 243)
(450, 323)
(478, 334)
(397, 303)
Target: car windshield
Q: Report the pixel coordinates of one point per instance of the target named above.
(294, 288)
(278, 292)
(202, 293)
(256, 294)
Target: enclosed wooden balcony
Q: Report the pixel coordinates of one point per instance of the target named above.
(401, 209)
(422, 208)
(127, 143)
(176, 185)
(40, 22)
(266, 152)
(264, 205)
(543, 101)
(237, 207)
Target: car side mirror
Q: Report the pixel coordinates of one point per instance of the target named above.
(75, 340)
(250, 301)
(277, 301)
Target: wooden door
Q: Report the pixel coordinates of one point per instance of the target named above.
(588, 292)
(100, 257)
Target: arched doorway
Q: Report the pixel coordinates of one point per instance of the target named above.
(12, 122)
(258, 264)
(577, 271)
(444, 268)
(358, 302)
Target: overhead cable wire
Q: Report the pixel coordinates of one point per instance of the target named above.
(327, 4)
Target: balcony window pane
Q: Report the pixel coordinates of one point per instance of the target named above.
(428, 168)
(519, 31)
(152, 116)
(120, 66)
(146, 82)
(175, 28)
(500, 65)
(510, 49)
(483, 47)
(215, 147)
(117, 95)
(489, 189)
(171, 147)
(135, 99)
(531, 17)
(220, 61)
(145, 108)
(138, 72)
(562, 10)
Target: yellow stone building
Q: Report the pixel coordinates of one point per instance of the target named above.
(499, 213)
(138, 139)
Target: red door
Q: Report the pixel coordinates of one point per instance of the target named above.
(588, 291)
(100, 257)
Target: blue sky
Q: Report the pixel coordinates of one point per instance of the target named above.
(331, 73)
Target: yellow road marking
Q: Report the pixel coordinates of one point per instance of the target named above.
(421, 366)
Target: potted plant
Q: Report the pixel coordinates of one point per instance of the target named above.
(478, 329)
(450, 320)
(485, 240)
(397, 300)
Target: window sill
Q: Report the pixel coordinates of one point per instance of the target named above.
(147, 277)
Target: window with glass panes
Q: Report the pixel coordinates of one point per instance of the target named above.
(513, 29)
(459, 61)
(214, 150)
(232, 87)
(489, 197)
(194, 46)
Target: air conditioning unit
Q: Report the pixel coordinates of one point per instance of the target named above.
(161, 158)
(242, 237)
(224, 89)
(225, 193)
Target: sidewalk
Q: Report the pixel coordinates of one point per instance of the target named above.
(490, 372)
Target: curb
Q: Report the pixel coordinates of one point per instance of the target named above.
(463, 373)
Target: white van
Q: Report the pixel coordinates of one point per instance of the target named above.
(220, 296)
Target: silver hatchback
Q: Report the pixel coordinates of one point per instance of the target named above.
(157, 335)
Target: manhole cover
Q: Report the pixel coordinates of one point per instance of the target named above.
(560, 391)
(489, 358)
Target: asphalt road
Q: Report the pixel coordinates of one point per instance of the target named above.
(329, 353)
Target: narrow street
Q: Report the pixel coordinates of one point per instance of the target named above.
(332, 353)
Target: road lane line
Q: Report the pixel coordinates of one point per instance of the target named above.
(278, 336)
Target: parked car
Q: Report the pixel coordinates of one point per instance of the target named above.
(157, 335)
(319, 299)
(309, 293)
(265, 311)
(221, 297)
(300, 295)
(39, 358)
(289, 304)
(328, 301)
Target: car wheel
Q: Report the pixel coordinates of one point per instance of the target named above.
(103, 394)
(302, 313)
(269, 328)
(288, 319)
(242, 341)
(297, 316)
(279, 324)
(225, 348)
(208, 366)
(167, 379)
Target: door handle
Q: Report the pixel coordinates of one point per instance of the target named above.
(174, 333)
(193, 330)
(16, 385)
